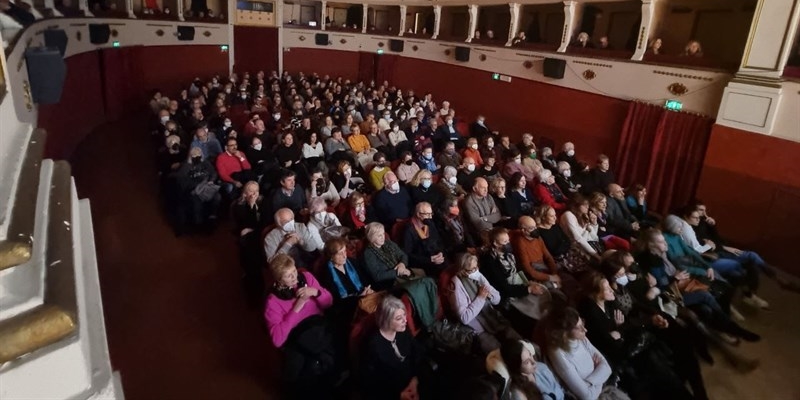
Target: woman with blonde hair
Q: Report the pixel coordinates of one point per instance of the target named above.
(421, 188)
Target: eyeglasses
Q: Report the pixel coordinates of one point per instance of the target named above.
(425, 214)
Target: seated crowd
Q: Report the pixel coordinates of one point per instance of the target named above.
(404, 243)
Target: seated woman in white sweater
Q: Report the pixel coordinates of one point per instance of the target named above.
(578, 224)
(580, 365)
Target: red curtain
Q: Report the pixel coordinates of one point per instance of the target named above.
(664, 150)
(638, 134)
(121, 77)
(366, 66)
(385, 67)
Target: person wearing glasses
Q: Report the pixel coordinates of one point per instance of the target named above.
(422, 241)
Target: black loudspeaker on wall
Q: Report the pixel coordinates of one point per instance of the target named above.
(46, 73)
(462, 53)
(99, 33)
(185, 32)
(554, 68)
(321, 39)
(396, 45)
(56, 38)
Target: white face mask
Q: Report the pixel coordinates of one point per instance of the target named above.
(276, 116)
(320, 216)
(631, 277)
(567, 173)
(470, 167)
(258, 146)
(571, 153)
(347, 172)
(480, 122)
(426, 183)
(449, 123)
(490, 145)
(474, 146)
(475, 276)
(227, 124)
(288, 227)
(395, 187)
(622, 280)
(164, 119)
(452, 180)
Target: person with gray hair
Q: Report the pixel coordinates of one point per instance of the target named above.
(549, 193)
(291, 237)
(448, 186)
(384, 260)
(391, 359)
(324, 222)
(546, 157)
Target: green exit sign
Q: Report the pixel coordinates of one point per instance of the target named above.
(673, 105)
(496, 76)
(380, 51)
(224, 47)
(115, 43)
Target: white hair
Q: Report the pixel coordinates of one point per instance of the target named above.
(544, 175)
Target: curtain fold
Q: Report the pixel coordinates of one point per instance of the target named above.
(366, 66)
(663, 150)
(385, 67)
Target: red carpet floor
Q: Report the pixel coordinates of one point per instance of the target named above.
(176, 317)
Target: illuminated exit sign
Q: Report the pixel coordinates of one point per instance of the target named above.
(673, 105)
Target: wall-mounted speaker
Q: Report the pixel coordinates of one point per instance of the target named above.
(554, 68)
(462, 53)
(185, 32)
(321, 39)
(99, 33)
(56, 38)
(396, 45)
(46, 74)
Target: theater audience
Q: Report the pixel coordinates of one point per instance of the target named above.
(472, 152)
(489, 169)
(208, 145)
(321, 188)
(693, 49)
(407, 168)
(520, 200)
(467, 174)
(655, 46)
(473, 298)
(567, 155)
(378, 171)
(426, 160)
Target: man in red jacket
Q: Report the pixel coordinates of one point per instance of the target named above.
(233, 167)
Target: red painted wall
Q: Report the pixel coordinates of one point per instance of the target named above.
(256, 49)
(751, 186)
(324, 62)
(592, 122)
(103, 84)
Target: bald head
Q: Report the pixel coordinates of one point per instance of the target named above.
(616, 191)
(481, 187)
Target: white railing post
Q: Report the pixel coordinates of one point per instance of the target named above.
(437, 14)
(513, 8)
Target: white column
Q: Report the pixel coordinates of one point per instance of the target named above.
(752, 99)
(128, 8)
(83, 5)
(512, 29)
(364, 20)
(648, 15)
(571, 20)
(402, 27)
(323, 14)
(473, 22)
(281, 49)
(181, 7)
(437, 14)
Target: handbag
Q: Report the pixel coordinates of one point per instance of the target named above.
(206, 191)
(369, 303)
(452, 336)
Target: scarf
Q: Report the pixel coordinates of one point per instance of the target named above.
(357, 223)
(509, 264)
(422, 229)
(351, 273)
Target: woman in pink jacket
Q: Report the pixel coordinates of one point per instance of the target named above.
(295, 297)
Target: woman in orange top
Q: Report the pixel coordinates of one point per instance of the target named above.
(360, 145)
(473, 152)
